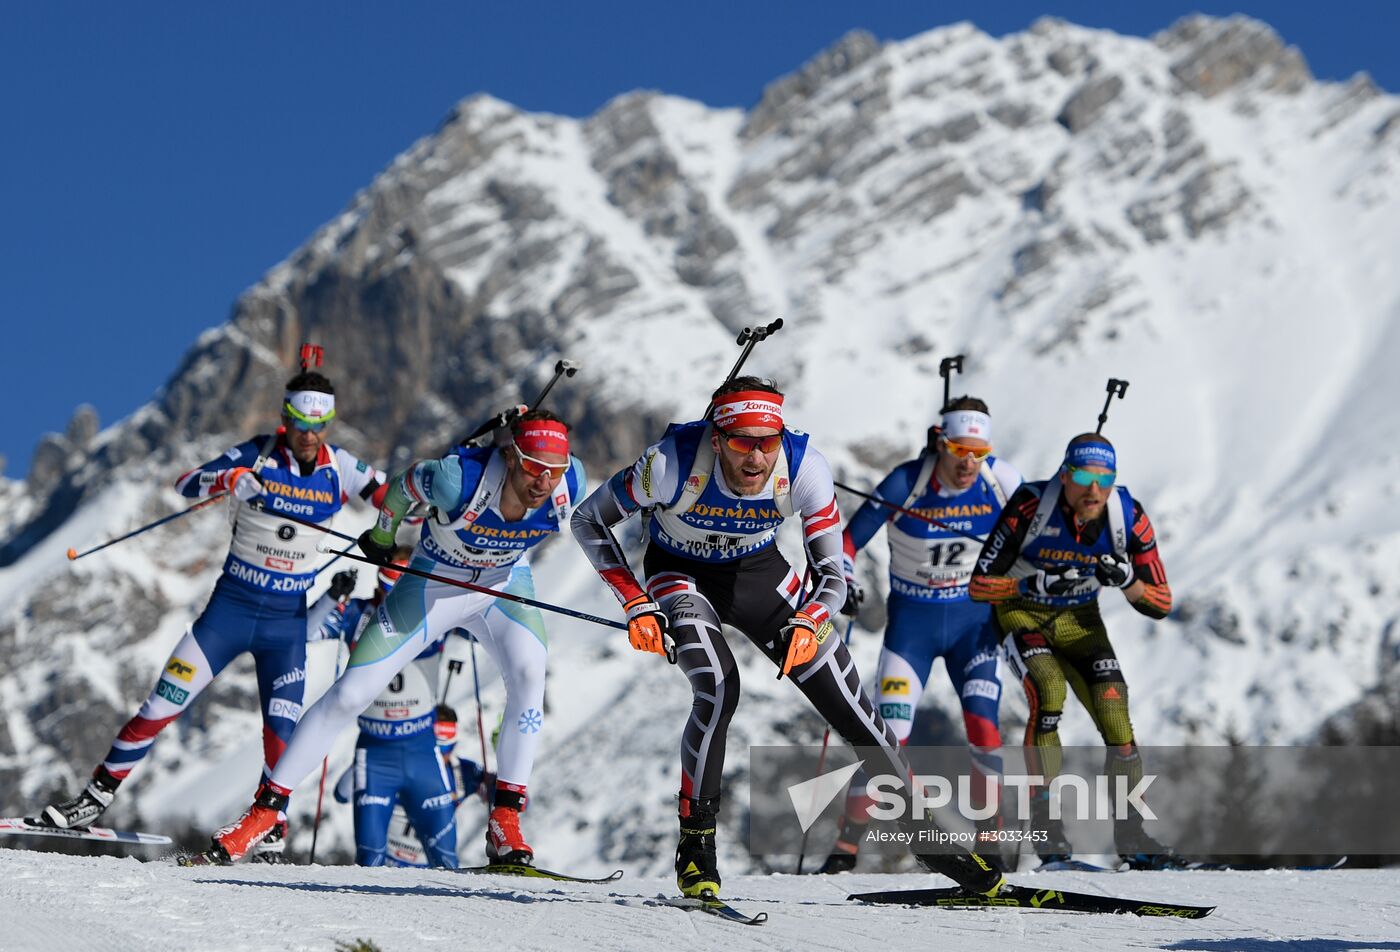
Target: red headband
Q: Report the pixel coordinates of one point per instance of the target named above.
(748, 408)
(543, 436)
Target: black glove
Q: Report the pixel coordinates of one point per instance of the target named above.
(1052, 582)
(855, 597)
(379, 554)
(342, 584)
(1114, 572)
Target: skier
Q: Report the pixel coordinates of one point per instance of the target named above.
(960, 484)
(490, 505)
(259, 602)
(1057, 544)
(719, 488)
(404, 751)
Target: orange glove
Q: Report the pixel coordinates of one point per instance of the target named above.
(804, 635)
(646, 625)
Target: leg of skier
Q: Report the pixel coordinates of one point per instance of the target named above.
(705, 658)
(215, 639)
(279, 653)
(514, 636)
(429, 799)
(415, 614)
(376, 787)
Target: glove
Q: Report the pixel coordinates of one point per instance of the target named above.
(374, 550)
(803, 634)
(1051, 583)
(342, 584)
(241, 481)
(855, 597)
(646, 625)
(1114, 572)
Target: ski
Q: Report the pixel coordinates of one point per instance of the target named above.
(1022, 897)
(535, 872)
(1076, 866)
(714, 906)
(1073, 865)
(23, 826)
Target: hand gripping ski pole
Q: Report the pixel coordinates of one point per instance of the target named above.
(1116, 388)
(482, 589)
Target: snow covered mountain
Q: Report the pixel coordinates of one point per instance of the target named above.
(1192, 212)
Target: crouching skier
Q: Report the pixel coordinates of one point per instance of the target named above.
(719, 489)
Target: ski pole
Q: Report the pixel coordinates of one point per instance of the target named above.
(946, 368)
(74, 554)
(748, 338)
(325, 766)
(543, 606)
(480, 725)
(908, 512)
(562, 368)
(454, 666)
(821, 762)
(1116, 388)
(482, 589)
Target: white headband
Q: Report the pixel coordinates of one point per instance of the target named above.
(958, 424)
(311, 404)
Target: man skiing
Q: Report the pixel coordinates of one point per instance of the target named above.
(259, 602)
(719, 488)
(960, 484)
(404, 752)
(1057, 544)
(489, 507)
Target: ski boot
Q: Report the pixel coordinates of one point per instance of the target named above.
(1141, 851)
(697, 870)
(234, 842)
(1055, 847)
(844, 852)
(78, 813)
(504, 841)
(273, 848)
(990, 845)
(969, 870)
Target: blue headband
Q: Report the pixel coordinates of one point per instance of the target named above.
(1080, 455)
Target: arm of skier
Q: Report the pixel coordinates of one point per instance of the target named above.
(429, 482)
(648, 482)
(991, 578)
(1146, 587)
(223, 473)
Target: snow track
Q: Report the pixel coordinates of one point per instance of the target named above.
(58, 903)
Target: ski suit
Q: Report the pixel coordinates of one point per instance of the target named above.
(259, 602)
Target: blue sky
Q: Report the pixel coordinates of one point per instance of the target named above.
(159, 157)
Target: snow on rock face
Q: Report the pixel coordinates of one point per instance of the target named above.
(1192, 212)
